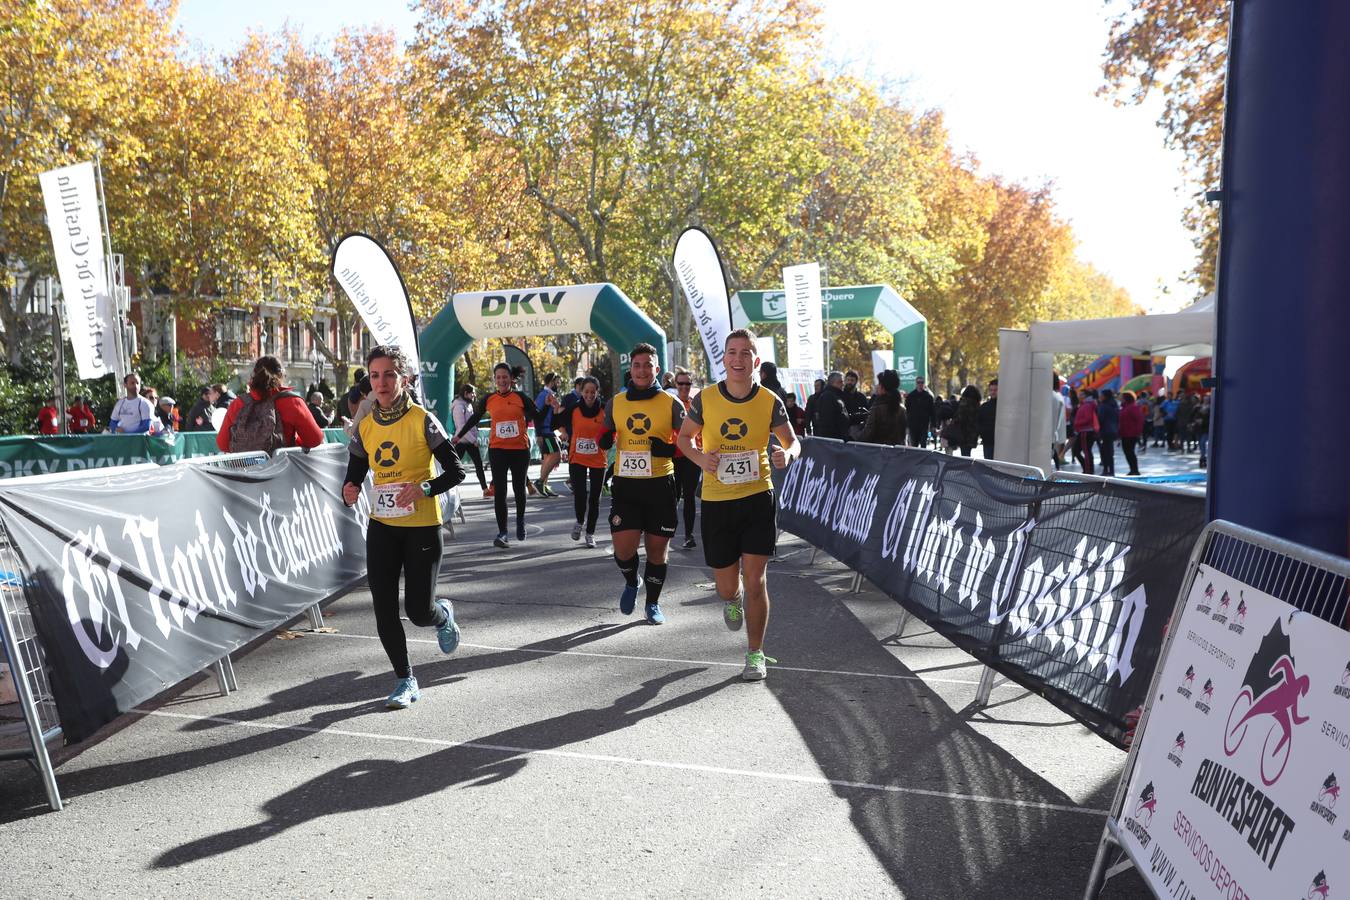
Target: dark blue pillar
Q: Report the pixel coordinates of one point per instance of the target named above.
(1281, 423)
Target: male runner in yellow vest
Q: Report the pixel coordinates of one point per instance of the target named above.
(734, 419)
(642, 422)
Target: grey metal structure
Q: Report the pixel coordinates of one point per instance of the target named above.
(1309, 580)
(23, 653)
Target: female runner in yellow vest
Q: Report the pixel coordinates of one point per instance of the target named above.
(396, 444)
(732, 420)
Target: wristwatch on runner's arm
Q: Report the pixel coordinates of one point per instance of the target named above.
(426, 489)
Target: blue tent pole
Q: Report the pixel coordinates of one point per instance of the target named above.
(1281, 425)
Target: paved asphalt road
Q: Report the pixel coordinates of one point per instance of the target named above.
(569, 751)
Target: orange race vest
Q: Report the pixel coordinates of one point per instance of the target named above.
(506, 427)
(585, 434)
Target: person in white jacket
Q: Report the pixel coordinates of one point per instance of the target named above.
(460, 411)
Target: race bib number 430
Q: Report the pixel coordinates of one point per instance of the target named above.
(508, 429)
(386, 503)
(635, 463)
(738, 468)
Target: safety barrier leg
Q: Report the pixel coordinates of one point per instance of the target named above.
(988, 681)
(38, 756)
(315, 617)
(227, 665)
(222, 681)
(855, 587)
(900, 625)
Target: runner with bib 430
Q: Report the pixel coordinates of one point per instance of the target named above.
(397, 443)
(641, 425)
(733, 421)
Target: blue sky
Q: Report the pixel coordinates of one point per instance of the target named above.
(1016, 81)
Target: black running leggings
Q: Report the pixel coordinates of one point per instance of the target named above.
(414, 551)
(472, 450)
(687, 475)
(517, 462)
(586, 485)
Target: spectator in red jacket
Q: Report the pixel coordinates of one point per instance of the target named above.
(1085, 427)
(49, 419)
(82, 418)
(1132, 416)
(269, 416)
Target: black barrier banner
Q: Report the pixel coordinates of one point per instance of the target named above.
(1064, 587)
(137, 580)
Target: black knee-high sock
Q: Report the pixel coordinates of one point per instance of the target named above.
(629, 569)
(654, 578)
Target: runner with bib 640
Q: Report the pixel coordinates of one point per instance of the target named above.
(397, 443)
(733, 421)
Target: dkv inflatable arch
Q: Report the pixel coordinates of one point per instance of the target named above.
(601, 309)
(907, 326)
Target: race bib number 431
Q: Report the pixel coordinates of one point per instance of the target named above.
(738, 468)
(386, 503)
(635, 463)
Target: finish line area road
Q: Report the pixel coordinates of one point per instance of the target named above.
(566, 750)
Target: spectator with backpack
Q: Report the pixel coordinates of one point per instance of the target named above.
(270, 416)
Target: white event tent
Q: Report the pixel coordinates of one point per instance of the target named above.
(1026, 360)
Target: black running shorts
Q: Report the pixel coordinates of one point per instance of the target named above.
(643, 504)
(548, 445)
(744, 525)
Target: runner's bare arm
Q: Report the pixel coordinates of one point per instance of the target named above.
(790, 449)
(685, 440)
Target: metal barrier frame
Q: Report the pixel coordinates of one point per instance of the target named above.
(23, 650)
(1255, 555)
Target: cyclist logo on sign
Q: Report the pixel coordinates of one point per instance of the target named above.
(386, 455)
(734, 429)
(1208, 692)
(1270, 688)
(1320, 889)
(1180, 743)
(1242, 608)
(1148, 802)
(1330, 793)
(1225, 602)
(639, 423)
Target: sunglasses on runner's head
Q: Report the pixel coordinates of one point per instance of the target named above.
(684, 384)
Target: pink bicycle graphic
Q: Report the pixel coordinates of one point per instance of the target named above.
(1329, 795)
(1280, 702)
(1320, 889)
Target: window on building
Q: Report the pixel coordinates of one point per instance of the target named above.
(267, 339)
(295, 346)
(234, 340)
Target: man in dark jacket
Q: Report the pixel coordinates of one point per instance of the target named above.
(919, 406)
(986, 419)
(855, 401)
(199, 415)
(831, 415)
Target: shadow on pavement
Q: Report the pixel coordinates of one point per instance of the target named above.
(374, 783)
(900, 732)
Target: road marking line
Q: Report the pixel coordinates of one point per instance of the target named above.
(633, 761)
(694, 662)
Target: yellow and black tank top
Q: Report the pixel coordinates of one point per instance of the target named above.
(635, 423)
(737, 430)
(400, 453)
